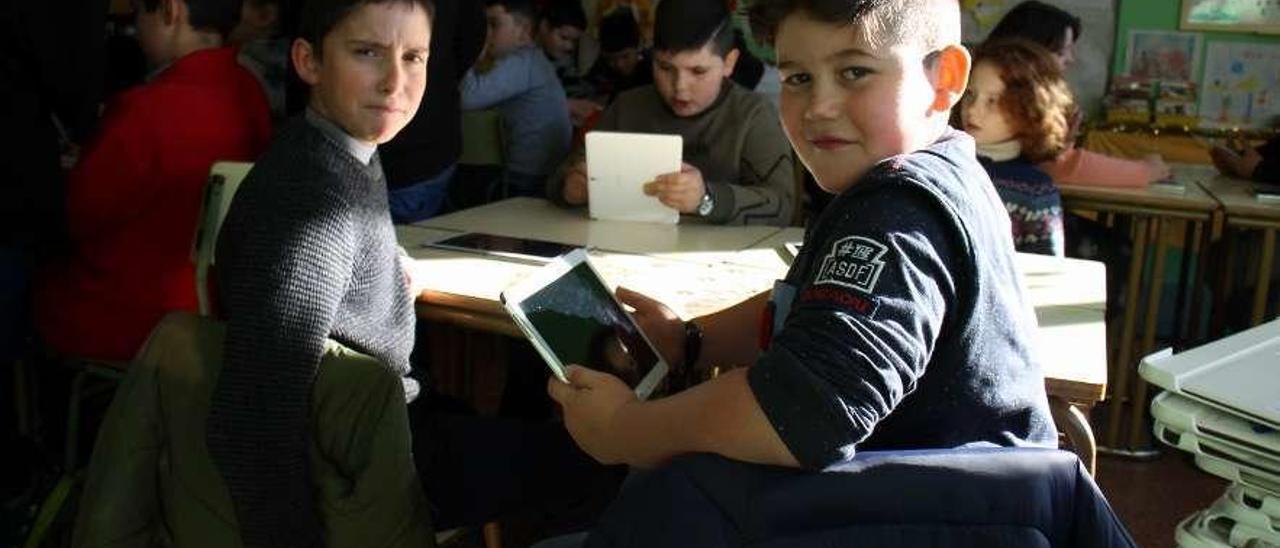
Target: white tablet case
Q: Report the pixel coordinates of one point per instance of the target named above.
(1255, 499)
(1203, 530)
(1230, 431)
(1253, 518)
(619, 165)
(1239, 374)
(1221, 461)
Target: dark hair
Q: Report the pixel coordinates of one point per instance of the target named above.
(618, 31)
(1038, 22)
(319, 17)
(523, 9)
(1036, 100)
(218, 16)
(565, 13)
(687, 25)
(900, 21)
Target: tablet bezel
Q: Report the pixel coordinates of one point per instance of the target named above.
(514, 295)
(527, 257)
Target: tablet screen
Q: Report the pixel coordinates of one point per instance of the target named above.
(505, 245)
(582, 324)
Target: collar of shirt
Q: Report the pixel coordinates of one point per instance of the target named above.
(359, 150)
(1002, 151)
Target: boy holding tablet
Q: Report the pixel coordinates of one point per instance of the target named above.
(737, 167)
(901, 323)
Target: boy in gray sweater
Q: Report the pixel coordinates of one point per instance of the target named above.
(737, 164)
(308, 253)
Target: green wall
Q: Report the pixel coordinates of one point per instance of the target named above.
(1164, 15)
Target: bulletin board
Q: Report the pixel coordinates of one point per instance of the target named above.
(1088, 77)
(1258, 16)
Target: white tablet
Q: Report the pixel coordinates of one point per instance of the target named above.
(571, 317)
(619, 165)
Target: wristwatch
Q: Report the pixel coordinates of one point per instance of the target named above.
(707, 204)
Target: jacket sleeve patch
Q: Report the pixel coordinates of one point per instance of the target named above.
(854, 262)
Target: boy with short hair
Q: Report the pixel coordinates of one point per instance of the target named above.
(737, 167)
(902, 322)
(134, 197)
(623, 63)
(307, 253)
(515, 77)
(560, 25)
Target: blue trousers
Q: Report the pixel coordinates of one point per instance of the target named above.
(420, 200)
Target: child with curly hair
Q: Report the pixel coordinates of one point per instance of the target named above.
(1017, 109)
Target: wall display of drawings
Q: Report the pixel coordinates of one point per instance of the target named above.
(1160, 55)
(1261, 16)
(1241, 85)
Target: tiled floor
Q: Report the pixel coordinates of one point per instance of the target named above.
(1152, 496)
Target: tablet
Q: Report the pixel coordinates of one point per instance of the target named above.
(571, 317)
(1267, 193)
(505, 246)
(619, 165)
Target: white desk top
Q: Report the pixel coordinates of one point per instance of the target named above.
(1069, 295)
(543, 220)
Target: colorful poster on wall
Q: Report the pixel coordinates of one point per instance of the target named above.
(1232, 15)
(1161, 55)
(1241, 86)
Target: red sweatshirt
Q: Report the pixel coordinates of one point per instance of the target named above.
(133, 202)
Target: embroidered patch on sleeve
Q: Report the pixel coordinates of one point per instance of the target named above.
(853, 262)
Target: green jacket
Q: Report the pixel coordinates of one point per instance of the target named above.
(151, 481)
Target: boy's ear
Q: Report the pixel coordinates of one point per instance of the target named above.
(306, 61)
(730, 61)
(949, 75)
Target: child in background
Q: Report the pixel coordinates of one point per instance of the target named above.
(1261, 164)
(134, 197)
(561, 24)
(264, 50)
(737, 166)
(1058, 31)
(515, 77)
(623, 64)
(1016, 109)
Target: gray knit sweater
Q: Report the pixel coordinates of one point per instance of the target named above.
(307, 252)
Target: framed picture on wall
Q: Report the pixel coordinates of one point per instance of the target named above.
(1257, 16)
(1162, 55)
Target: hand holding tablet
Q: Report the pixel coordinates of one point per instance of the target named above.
(571, 317)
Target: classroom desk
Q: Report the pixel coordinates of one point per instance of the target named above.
(543, 220)
(1245, 212)
(462, 288)
(1152, 211)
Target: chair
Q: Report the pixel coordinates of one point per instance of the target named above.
(224, 181)
(971, 497)
(94, 377)
(151, 476)
(483, 155)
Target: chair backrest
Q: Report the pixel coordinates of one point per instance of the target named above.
(224, 181)
(483, 138)
(980, 496)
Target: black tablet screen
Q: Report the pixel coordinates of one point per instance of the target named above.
(582, 324)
